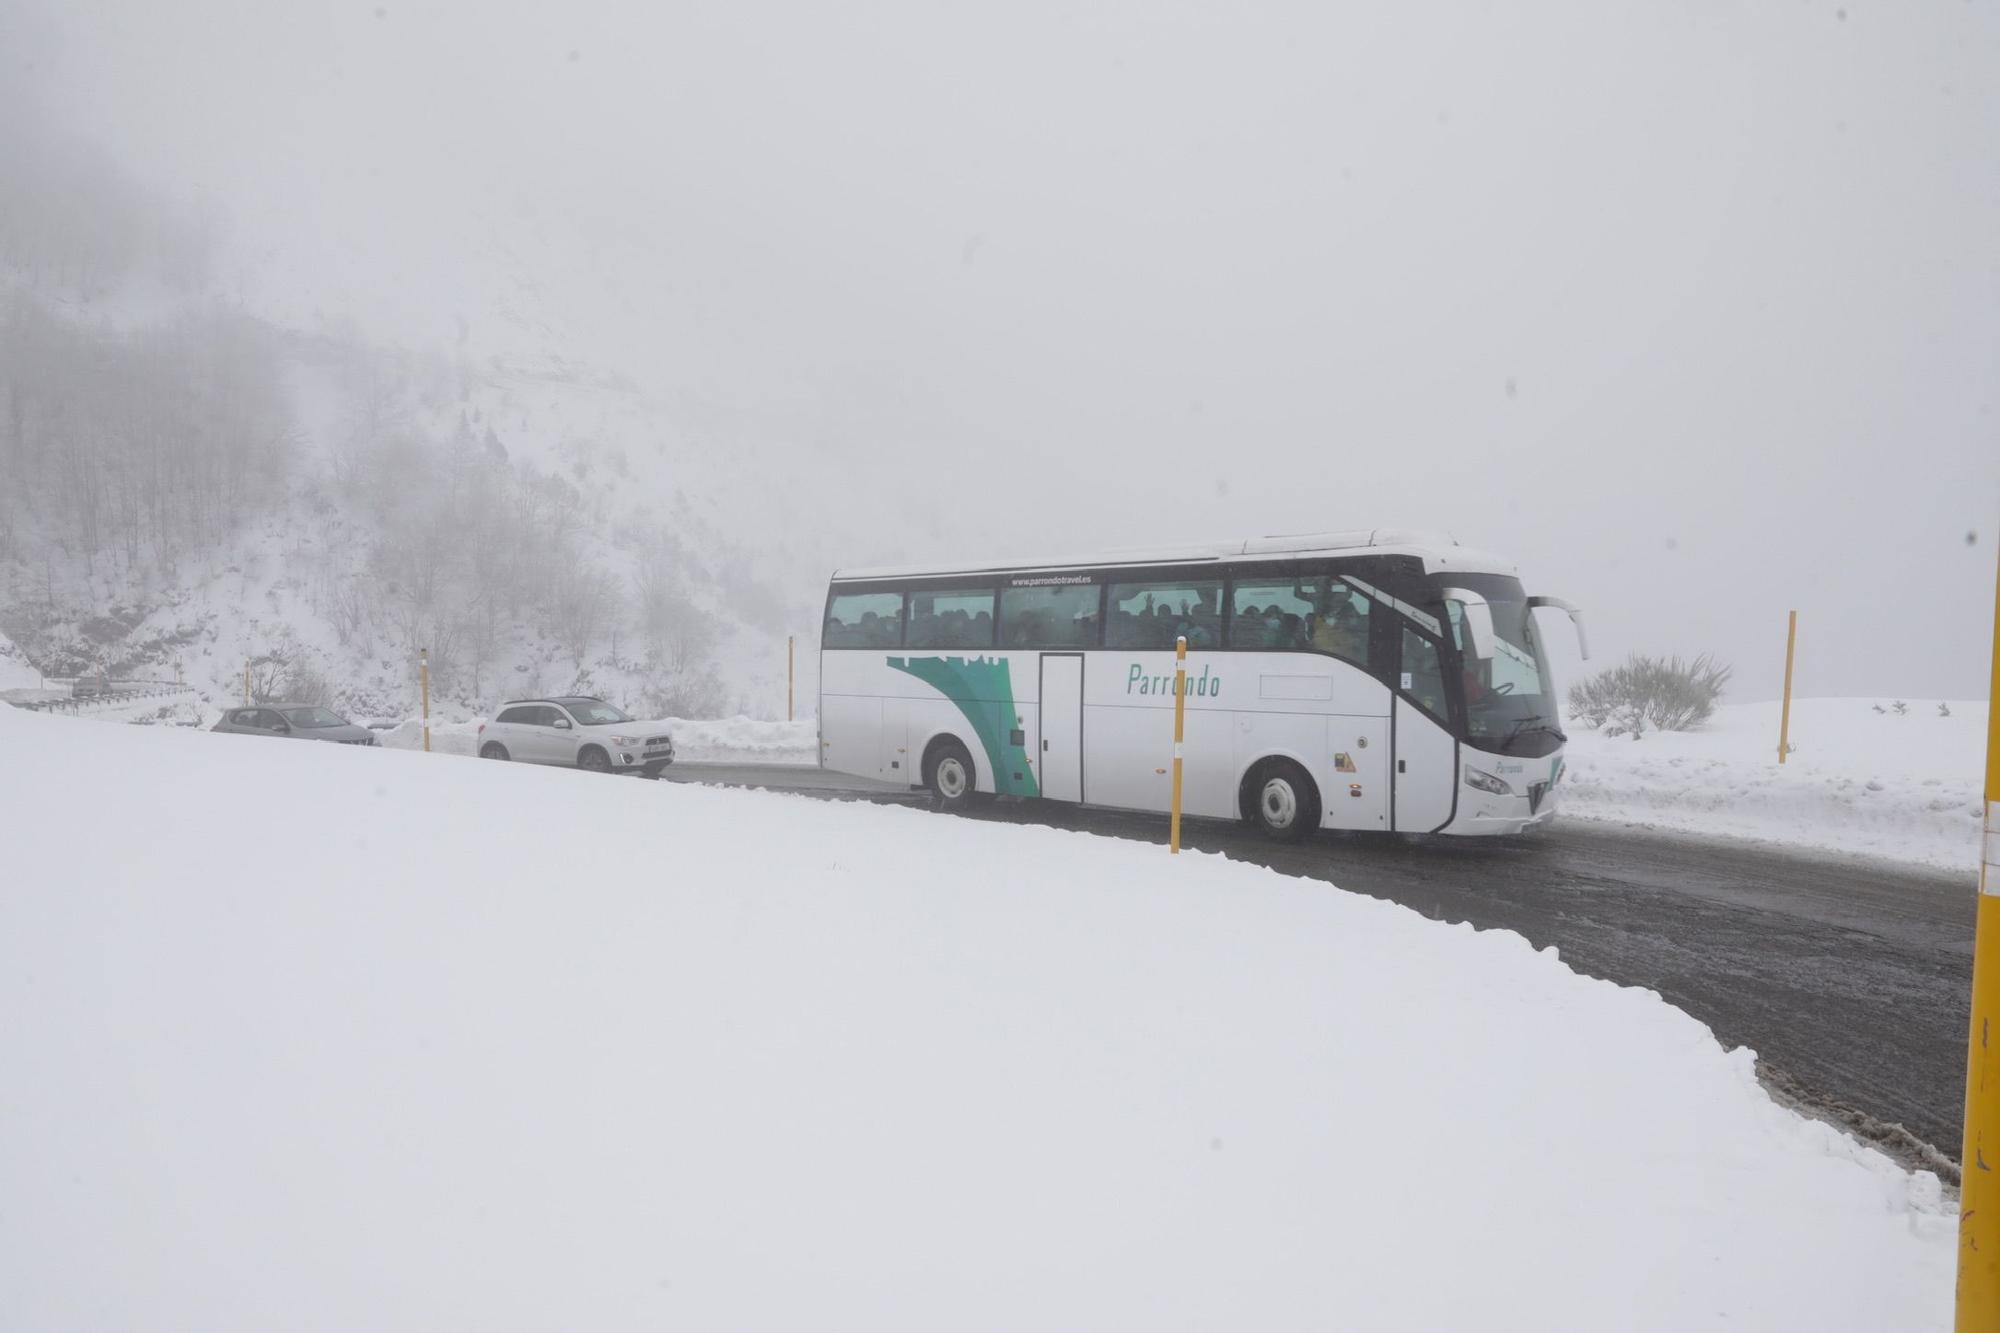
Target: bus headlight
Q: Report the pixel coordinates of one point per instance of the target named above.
(1486, 782)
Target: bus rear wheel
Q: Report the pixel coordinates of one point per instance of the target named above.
(1280, 798)
(949, 774)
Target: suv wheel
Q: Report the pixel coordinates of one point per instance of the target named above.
(593, 760)
(493, 750)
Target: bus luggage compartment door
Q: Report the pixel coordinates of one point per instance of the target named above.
(1061, 750)
(1356, 795)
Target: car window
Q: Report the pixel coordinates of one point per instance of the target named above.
(597, 714)
(314, 717)
(523, 716)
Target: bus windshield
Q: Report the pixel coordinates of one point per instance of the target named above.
(1509, 706)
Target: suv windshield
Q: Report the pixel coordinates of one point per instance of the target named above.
(314, 717)
(596, 714)
(1508, 704)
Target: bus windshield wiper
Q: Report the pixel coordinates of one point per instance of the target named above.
(1521, 725)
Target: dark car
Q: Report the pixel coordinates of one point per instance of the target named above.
(307, 722)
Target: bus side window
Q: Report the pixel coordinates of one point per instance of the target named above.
(1061, 616)
(864, 620)
(1273, 614)
(1341, 625)
(1423, 675)
(1154, 615)
(951, 619)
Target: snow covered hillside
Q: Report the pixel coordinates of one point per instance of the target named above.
(704, 1058)
(1862, 778)
(16, 673)
(196, 475)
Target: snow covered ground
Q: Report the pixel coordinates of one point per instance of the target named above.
(330, 1038)
(730, 740)
(1903, 786)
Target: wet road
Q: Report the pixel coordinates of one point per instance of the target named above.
(1849, 978)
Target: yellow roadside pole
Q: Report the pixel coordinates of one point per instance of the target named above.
(1785, 713)
(791, 676)
(424, 669)
(1979, 1192)
(1180, 723)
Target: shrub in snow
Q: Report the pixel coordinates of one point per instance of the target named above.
(1664, 693)
(1901, 708)
(1944, 710)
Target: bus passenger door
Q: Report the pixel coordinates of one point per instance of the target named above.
(1061, 751)
(1426, 752)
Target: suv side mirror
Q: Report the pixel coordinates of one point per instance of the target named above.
(1478, 620)
(561, 724)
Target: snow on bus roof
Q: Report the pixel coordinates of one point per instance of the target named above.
(1439, 551)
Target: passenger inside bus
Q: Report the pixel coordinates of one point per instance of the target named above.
(1343, 628)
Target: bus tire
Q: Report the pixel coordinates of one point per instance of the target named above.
(1279, 797)
(949, 774)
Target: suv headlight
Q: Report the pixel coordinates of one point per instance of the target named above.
(1486, 782)
(624, 740)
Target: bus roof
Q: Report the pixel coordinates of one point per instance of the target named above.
(1439, 552)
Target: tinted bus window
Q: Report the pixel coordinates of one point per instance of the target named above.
(864, 620)
(1153, 615)
(1274, 613)
(951, 619)
(1064, 616)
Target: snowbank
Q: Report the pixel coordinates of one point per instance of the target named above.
(1903, 786)
(423, 1045)
(745, 740)
(735, 740)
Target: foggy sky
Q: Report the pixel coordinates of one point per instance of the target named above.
(1693, 310)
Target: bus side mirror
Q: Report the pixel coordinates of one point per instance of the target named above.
(1478, 620)
(1573, 611)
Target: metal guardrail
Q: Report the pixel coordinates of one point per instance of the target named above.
(125, 692)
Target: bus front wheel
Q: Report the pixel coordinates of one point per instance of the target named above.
(949, 774)
(1280, 798)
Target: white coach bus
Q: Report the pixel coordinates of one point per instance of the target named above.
(1376, 680)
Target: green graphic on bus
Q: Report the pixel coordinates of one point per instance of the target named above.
(983, 689)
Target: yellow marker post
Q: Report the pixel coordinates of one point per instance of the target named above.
(1979, 1191)
(1785, 713)
(791, 675)
(1180, 723)
(424, 669)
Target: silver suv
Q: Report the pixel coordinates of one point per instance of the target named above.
(576, 731)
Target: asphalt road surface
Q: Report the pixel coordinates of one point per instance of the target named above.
(1849, 978)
